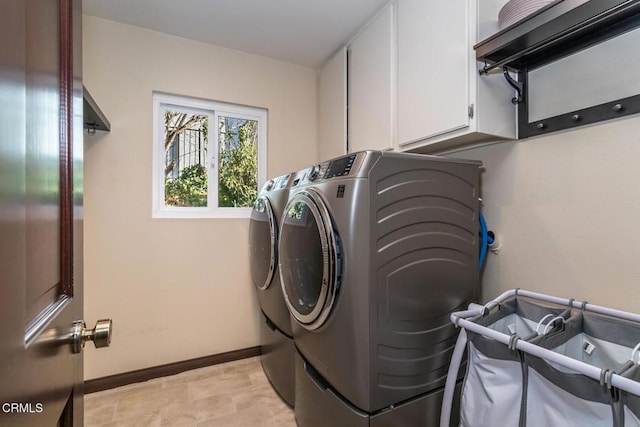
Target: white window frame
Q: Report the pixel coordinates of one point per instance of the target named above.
(214, 110)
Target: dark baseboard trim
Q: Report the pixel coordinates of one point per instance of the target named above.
(118, 380)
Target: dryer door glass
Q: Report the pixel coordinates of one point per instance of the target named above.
(262, 243)
(308, 258)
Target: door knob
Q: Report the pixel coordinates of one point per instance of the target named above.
(100, 334)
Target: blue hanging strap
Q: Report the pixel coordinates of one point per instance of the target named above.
(484, 240)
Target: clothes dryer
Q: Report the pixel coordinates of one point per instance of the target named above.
(376, 250)
(277, 349)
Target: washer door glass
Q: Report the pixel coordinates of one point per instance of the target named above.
(308, 259)
(263, 243)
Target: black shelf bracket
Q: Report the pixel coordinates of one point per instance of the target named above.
(94, 118)
(517, 85)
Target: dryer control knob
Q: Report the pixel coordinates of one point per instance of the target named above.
(313, 174)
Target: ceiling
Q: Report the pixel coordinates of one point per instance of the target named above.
(302, 32)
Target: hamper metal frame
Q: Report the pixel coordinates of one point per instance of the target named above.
(464, 320)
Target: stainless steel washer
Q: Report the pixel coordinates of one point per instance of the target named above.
(276, 340)
(376, 250)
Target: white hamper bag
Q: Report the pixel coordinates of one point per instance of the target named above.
(493, 386)
(630, 401)
(560, 396)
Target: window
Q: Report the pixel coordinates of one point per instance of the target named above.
(209, 157)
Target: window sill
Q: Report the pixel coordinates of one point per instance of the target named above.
(196, 213)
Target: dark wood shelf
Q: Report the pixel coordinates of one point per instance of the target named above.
(559, 29)
(93, 116)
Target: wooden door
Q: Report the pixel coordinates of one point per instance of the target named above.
(40, 211)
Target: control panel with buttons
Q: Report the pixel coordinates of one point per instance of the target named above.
(340, 167)
(283, 181)
(332, 169)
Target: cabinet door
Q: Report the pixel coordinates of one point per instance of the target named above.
(332, 107)
(433, 64)
(370, 85)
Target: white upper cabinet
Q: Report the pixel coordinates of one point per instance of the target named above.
(371, 85)
(332, 107)
(442, 100)
(433, 88)
(413, 82)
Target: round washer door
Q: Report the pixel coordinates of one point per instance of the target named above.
(263, 245)
(310, 260)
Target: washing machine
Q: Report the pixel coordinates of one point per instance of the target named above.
(376, 250)
(276, 342)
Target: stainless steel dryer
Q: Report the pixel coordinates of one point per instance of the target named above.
(376, 250)
(277, 349)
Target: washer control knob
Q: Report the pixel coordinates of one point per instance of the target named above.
(314, 173)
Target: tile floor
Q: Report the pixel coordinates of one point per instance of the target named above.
(231, 394)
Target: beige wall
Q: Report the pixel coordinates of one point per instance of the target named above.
(567, 209)
(176, 289)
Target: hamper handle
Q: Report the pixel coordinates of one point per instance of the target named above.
(634, 353)
(540, 323)
(550, 324)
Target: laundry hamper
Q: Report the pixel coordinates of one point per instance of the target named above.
(493, 386)
(561, 396)
(581, 372)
